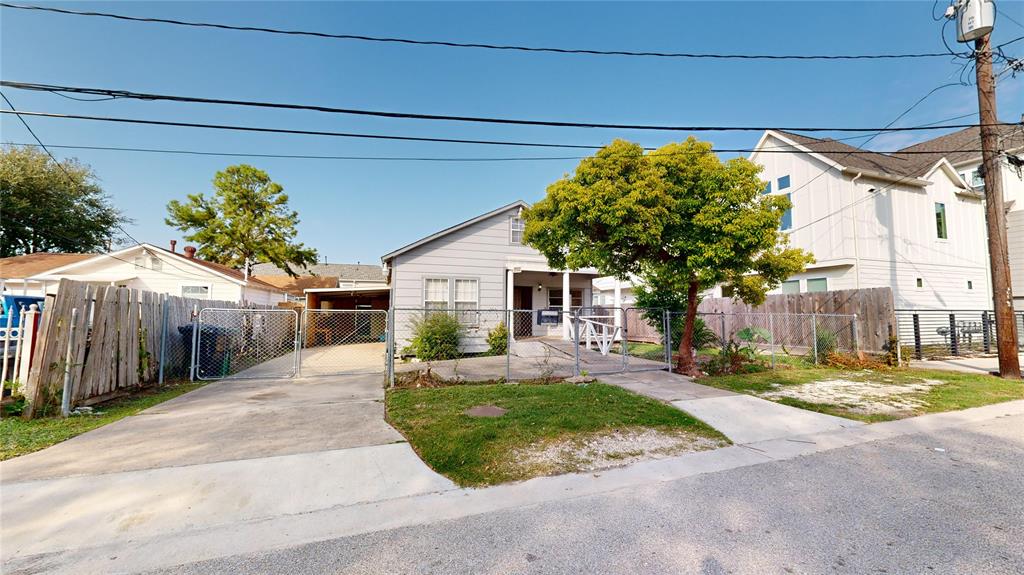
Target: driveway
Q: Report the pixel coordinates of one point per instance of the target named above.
(230, 452)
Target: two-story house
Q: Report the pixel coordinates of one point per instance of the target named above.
(907, 220)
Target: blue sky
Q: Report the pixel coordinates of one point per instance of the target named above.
(358, 210)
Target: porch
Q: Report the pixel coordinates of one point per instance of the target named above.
(544, 300)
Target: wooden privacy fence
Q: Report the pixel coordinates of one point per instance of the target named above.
(117, 343)
(873, 307)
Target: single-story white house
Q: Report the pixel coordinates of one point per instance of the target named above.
(144, 267)
(478, 268)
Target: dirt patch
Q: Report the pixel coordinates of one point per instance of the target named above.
(604, 450)
(860, 396)
(486, 411)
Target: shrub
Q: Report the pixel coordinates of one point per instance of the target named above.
(497, 340)
(436, 336)
(827, 342)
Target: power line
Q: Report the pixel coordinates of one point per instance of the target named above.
(418, 116)
(453, 44)
(54, 158)
(789, 150)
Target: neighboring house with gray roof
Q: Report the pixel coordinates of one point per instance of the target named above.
(349, 275)
(910, 220)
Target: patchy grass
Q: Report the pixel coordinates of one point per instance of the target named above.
(484, 451)
(18, 437)
(926, 391)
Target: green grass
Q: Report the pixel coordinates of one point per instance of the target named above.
(958, 390)
(478, 451)
(18, 437)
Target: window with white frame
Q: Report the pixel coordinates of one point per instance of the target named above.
(555, 298)
(435, 293)
(790, 286)
(196, 291)
(140, 262)
(516, 227)
(466, 300)
(156, 264)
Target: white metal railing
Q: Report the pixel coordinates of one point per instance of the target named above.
(601, 333)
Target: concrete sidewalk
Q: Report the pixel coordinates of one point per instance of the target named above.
(741, 418)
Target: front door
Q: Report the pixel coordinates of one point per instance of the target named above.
(522, 300)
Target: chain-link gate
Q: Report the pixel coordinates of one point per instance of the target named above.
(343, 341)
(245, 343)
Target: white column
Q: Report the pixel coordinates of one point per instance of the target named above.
(510, 303)
(566, 308)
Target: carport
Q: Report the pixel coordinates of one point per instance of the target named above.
(344, 330)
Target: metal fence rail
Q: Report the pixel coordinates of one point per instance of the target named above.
(245, 343)
(944, 333)
(341, 341)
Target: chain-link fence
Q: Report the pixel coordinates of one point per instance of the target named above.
(337, 341)
(925, 334)
(245, 343)
(777, 337)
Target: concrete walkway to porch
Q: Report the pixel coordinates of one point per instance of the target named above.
(741, 418)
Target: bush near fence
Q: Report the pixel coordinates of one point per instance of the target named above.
(117, 344)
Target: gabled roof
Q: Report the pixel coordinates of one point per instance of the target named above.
(840, 153)
(34, 264)
(455, 228)
(969, 139)
(343, 272)
(223, 271)
(298, 285)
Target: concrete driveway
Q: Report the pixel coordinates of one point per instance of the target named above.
(230, 452)
(225, 420)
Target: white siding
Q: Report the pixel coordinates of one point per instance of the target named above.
(891, 232)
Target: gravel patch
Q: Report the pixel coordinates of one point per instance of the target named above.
(859, 396)
(604, 450)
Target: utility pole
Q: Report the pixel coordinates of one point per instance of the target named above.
(995, 213)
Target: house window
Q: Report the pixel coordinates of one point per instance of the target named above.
(555, 298)
(156, 264)
(435, 293)
(976, 180)
(970, 284)
(467, 300)
(196, 291)
(920, 282)
(728, 291)
(791, 286)
(783, 183)
(940, 220)
(787, 217)
(140, 262)
(516, 227)
(817, 284)
(767, 188)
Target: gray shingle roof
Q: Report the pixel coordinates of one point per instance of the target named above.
(345, 272)
(910, 165)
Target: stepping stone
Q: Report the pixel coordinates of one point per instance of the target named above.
(485, 411)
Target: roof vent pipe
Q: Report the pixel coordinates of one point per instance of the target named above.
(174, 245)
(190, 252)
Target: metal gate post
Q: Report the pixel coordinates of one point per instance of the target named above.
(724, 344)
(771, 329)
(623, 337)
(666, 324)
(299, 327)
(163, 340)
(814, 336)
(576, 339)
(65, 398)
(194, 361)
(390, 351)
(509, 321)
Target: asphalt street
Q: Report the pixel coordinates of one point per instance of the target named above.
(951, 501)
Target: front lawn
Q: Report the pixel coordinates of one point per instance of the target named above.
(18, 437)
(547, 429)
(872, 395)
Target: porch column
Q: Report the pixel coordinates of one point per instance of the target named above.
(510, 303)
(566, 308)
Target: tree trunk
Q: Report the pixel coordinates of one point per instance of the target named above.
(686, 364)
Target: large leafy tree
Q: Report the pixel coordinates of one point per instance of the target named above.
(678, 216)
(50, 207)
(245, 222)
